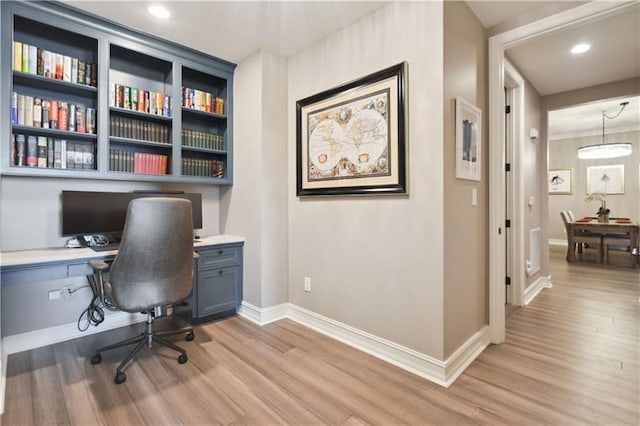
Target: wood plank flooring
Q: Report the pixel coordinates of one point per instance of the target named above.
(571, 357)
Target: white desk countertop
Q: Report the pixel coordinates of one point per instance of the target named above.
(25, 257)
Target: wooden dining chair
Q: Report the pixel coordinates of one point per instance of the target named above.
(580, 239)
(617, 242)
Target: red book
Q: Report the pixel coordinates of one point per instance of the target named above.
(136, 162)
(53, 114)
(63, 116)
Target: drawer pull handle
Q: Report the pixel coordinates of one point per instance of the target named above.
(220, 272)
(220, 252)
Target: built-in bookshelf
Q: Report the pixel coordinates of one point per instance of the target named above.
(53, 99)
(86, 98)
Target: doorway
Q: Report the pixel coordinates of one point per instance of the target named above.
(497, 156)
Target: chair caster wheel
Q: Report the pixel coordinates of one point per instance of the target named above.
(96, 359)
(120, 378)
(182, 358)
(189, 337)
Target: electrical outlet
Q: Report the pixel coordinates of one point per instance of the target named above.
(68, 292)
(307, 284)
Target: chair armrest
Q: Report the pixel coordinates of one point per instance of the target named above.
(99, 265)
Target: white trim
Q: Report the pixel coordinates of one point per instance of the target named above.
(262, 316)
(61, 333)
(497, 46)
(443, 373)
(556, 242)
(536, 287)
(517, 184)
(466, 354)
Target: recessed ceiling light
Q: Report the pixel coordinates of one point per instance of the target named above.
(580, 48)
(159, 11)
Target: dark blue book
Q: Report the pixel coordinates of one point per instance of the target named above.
(14, 108)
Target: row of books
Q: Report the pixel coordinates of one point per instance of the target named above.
(202, 101)
(134, 99)
(44, 152)
(121, 160)
(35, 60)
(52, 114)
(132, 128)
(203, 168)
(198, 139)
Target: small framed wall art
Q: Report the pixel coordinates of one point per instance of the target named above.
(468, 140)
(560, 181)
(351, 140)
(605, 179)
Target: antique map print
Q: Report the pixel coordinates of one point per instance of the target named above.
(350, 140)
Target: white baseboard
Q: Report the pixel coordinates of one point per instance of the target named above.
(555, 242)
(262, 316)
(538, 285)
(61, 333)
(443, 373)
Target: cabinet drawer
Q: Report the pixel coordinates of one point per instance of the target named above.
(219, 290)
(219, 257)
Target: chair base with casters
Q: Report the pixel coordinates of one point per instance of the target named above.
(146, 338)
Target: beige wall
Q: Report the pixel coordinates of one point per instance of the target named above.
(562, 155)
(31, 208)
(255, 207)
(533, 163)
(376, 263)
(465, 226)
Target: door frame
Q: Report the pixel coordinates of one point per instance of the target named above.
(514, 83)
(497, 175)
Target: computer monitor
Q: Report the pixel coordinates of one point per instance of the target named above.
(90, 213)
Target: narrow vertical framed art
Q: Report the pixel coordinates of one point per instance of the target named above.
(468, 140)
(351, 140)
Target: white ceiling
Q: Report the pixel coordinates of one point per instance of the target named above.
(233, 30)
(614, 55)
(491, 13)
(546, 63)
(586, 120)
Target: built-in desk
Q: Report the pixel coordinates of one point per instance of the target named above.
(217, 288)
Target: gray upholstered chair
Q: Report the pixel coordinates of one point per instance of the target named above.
(152, 270)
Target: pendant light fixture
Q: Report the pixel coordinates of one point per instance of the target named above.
(606, 150)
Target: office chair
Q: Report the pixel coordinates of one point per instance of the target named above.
(152, 270)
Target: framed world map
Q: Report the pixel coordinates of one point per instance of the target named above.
(351, 139)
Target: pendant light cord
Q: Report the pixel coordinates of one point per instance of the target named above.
(604, 115)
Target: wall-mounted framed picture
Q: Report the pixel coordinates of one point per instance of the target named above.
(351, 140)
(560, 181)
(468, 140)
(607, 179)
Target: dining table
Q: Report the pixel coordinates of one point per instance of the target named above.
(611, 227)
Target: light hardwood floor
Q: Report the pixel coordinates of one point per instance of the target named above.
(571, 357)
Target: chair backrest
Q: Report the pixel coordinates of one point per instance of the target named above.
(570, 215)
(566, 219)
(154, 264)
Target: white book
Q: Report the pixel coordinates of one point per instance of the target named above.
(63, 154)
(66, 68)
(33, 59)
(47, 63)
